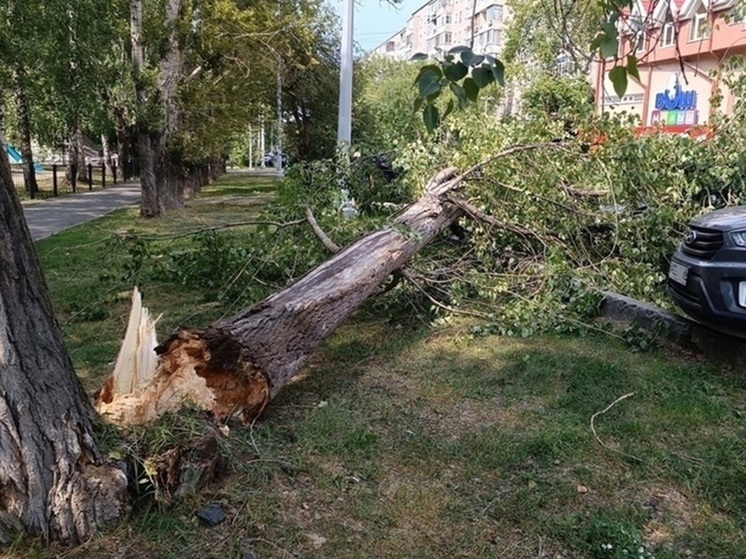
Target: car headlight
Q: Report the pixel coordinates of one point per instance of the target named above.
(739, 237)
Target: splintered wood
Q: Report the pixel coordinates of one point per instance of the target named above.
(189, 371)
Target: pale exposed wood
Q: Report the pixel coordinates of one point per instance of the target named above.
(137, 359)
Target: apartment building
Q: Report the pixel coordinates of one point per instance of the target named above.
(439, 25)
(679, 44)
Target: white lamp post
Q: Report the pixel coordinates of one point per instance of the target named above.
(344, 126)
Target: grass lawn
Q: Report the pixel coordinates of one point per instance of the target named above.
(405, 440)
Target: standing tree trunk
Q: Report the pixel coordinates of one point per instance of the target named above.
(24, 122)
(150, 205)
(53, 482)
(160, 177)
(76, 151)
(76, 157)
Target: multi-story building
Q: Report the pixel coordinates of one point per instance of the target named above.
(439, 25)
(680, 44)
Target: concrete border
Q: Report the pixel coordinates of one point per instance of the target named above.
(676, 329)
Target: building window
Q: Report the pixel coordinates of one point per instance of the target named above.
(641, 42)
(736, 15)
(390, 46)
(494, 13)
(448, 19)
(699, 25)
(668, 35)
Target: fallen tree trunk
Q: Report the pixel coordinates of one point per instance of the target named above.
(239, 364)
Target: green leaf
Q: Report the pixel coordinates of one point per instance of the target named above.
(471, 88)
(498, 72)
(449, 108)
(460, 94)
(429, 84)
(418, 103)
(596, 42)
(609, 47)
(419, 56)
(482, 76)
(431, 117)
(456, 72)
(618, 77)
(471, 59)
(428, 68)
(632, 66)
(459, 49)
(609, 29)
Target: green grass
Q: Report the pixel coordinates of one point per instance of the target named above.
(403, 440)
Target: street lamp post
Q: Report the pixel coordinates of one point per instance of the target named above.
(344, 127)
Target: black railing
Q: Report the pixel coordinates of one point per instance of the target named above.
(54, 180)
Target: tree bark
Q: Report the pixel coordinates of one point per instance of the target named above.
(76, 157)
(24, 122)
(240, 364)
(53, 481)
(160, 178)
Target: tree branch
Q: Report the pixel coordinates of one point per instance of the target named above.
(323, 237)
(278, 224)
(479, 215)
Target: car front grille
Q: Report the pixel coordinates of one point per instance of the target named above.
(702, 243)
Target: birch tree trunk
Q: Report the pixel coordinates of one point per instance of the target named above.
(53, 482)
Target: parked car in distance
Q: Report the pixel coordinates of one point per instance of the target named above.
(707, 275)
(268, 159)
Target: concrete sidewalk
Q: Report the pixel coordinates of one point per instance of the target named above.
(47, 217)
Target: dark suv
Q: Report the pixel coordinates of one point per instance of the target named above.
(707, 276)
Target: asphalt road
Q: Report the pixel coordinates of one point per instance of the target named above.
(47, 217)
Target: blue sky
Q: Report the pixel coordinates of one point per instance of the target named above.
(377, 20)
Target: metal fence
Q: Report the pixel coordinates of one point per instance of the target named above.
(53, 180)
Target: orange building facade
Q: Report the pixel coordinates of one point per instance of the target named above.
(679, 45)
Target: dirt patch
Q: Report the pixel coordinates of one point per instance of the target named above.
(670, 514)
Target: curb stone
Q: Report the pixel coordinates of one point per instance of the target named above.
(676, 329)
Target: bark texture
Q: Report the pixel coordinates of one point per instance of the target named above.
(52, 480)
(238, 365)
(161, 180)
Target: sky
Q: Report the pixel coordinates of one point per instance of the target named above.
(377, 20)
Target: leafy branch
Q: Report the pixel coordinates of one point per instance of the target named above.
(462, 73)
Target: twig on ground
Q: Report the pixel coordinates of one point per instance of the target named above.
(278, 224)
(603, 411)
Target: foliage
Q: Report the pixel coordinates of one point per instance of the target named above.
(462, 74)
(543, 33)
(612, 538)
(385, 116)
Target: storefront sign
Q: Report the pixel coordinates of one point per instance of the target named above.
(675, 107)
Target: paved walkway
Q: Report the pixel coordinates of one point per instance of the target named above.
(47, 217)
